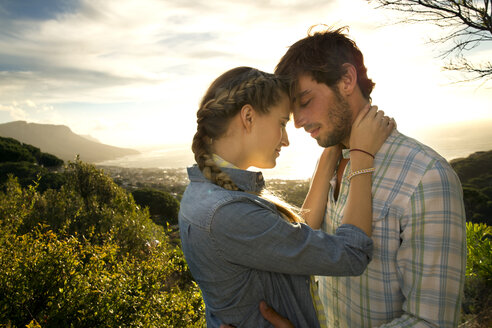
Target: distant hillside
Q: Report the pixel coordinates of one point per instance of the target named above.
(475, 172)
(12, 150)
(473, 166)
(60, 141)
(29, 164)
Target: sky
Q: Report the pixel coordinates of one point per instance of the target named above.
(131, 73)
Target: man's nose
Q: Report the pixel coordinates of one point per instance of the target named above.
(298, 121)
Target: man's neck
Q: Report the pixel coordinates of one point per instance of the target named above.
(357, 104)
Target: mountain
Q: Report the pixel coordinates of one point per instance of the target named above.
(60, 141)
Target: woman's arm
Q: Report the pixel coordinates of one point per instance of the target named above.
(358, 210)
(314, 206)
(369, 131)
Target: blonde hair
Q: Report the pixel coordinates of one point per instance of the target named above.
(223, 100)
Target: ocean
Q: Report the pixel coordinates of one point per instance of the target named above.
(299, 159)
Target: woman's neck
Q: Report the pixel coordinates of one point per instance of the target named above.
(231, 151)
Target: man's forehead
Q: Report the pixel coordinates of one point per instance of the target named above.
(301, 87)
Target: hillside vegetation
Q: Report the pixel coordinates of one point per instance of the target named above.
(86, 255)
(475, 172)
(80, 252)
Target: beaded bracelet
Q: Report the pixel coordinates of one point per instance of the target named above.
(363, 151)
(358, 172)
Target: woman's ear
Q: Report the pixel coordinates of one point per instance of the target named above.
(348, 82)
(247, 115)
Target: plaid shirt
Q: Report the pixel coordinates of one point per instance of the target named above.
(416, 276)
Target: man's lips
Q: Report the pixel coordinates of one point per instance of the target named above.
(314, 132)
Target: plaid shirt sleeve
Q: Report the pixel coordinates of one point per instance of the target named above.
(431, 260)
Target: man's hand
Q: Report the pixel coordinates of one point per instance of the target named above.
(271, 316)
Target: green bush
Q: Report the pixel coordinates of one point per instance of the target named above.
(29, 174)
(86, 256)
(93, 206)
(478, 281)
(73, 283)
(479, 245)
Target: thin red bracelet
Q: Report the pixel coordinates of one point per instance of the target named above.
(365, 152)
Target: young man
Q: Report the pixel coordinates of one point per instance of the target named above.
(416, 276)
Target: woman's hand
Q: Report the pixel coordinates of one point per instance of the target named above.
(370, 129)
(330, 156)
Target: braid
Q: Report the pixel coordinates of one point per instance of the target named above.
(207, 165)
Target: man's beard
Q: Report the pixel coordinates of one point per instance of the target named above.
(341, 119)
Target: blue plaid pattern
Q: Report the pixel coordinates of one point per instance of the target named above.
(416, 276)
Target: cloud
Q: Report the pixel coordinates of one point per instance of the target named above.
(106, 51)
(15, 112)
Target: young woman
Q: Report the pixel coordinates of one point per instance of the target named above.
(241, 247)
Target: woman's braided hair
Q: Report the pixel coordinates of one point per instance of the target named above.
(223, 100)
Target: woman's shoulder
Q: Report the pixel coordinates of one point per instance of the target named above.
(203, 199)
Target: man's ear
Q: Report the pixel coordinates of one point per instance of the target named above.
(348, 82)
(247, 115)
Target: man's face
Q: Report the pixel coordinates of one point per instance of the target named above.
(322, 112)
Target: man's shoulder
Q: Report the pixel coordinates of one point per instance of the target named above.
(400, 149)
(402, 164)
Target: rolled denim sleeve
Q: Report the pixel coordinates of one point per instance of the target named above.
(248, 234)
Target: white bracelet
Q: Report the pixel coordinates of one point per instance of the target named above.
(358, 172)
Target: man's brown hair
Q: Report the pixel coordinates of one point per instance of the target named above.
(322, 55)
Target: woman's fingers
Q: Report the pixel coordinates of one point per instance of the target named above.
(363, 112)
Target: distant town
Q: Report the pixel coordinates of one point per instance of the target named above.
(172, 180)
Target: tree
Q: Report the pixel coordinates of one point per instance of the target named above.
(49, 160)
(162, 206)
(467, 23)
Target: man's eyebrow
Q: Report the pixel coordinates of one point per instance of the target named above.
(300, 95)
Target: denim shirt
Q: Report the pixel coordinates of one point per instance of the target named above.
(240, 251)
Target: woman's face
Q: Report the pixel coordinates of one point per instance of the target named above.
(270, 135)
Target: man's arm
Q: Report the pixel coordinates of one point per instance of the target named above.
(431, 260)
(271, 316)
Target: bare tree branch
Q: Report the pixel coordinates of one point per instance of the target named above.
(469, 23)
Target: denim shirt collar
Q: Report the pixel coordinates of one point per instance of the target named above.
(248, 181)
